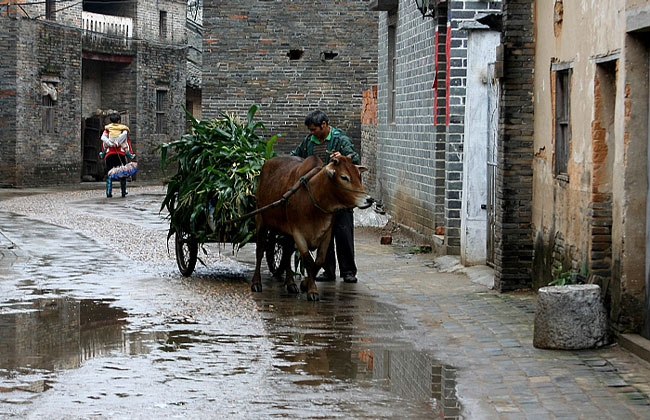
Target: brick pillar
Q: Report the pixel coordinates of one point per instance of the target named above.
(514, 252)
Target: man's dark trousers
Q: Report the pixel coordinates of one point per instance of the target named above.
(343, 236)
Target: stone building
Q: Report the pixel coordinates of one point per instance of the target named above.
(590, 213)
(289, 58)
(194, 92)
(567, 139)
(64, 65)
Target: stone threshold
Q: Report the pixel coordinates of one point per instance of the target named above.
(636, 345)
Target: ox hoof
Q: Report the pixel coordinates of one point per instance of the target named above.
(256, 287)
(292, 288)
(313, 296)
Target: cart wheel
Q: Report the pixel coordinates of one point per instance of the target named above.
(186, 252)
(273, 253)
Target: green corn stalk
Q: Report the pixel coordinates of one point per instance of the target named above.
(217, 166)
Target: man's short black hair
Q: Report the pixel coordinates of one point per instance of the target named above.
(317, 118)
(115, 117)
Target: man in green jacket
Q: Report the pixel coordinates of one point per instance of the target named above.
(326, 141)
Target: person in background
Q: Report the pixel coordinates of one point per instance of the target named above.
(115, 145)
(326, 142)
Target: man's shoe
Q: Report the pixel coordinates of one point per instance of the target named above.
(350, 278)
(325, 277)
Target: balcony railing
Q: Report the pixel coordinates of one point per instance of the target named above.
(106, 32)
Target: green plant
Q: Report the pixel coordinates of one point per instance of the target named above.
(563, 278)
(218, 163)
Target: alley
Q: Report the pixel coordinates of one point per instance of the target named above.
(96, 322)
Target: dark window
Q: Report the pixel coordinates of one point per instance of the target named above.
(189, 106)
(162, 25)
(562, 121)
(295, 54)
(50, 11)
(161, 103)
(48, 115)
(392, 64)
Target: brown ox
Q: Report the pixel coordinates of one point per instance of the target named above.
(308, 214)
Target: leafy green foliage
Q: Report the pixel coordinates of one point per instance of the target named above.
(563, 278)
(218, 163)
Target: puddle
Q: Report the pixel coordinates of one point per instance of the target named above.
(58, 333)
(349, 338)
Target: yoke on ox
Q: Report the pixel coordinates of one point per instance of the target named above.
(308, 214)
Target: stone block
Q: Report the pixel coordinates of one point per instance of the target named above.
(569, 318)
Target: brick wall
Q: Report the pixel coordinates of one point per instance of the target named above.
(410, 157)
(159, 69)
(147, 21)
(421, 156)
(47, 52)
(246, 47)
(369, 139)
(8, 100)
(515, 157)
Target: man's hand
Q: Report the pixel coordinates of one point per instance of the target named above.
(335, 155)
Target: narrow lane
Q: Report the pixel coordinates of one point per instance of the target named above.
(97, 328)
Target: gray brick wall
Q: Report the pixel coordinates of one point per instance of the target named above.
(163, 69)
(146, 24)
(40, 50)
(410, 169)
(421, 159)
(45, 51)
(245, 62)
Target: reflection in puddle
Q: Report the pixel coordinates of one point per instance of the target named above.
(410, 374)
(53, 334)
(348, 339)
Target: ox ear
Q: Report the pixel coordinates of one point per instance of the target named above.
(362, 169)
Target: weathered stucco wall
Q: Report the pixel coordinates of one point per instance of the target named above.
(594, 219)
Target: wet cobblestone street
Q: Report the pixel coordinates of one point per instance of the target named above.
(96, 322)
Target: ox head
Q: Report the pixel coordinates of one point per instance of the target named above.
(346, 177)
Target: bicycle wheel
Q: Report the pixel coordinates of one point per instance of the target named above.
(186, 252)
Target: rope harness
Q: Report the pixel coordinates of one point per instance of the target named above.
(303, 180)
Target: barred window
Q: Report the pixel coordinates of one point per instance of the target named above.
(50, 9)
(562, 121)
(162, 25)
(48, 115)
(161, 105)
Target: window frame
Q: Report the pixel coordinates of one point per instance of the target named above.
(50, 9)
(47, 122)
(562, 74)
(161, 111)
(162, 24)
